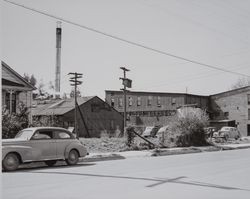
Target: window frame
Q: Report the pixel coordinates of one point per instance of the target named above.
(149, 101)
(40, 131)
(58, 138)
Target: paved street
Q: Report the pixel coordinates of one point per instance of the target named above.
(224, 174)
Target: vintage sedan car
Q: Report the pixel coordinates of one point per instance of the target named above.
(227, 132)
(48, 144)
(150, 131)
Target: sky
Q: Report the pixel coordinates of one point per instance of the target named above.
(214, 32)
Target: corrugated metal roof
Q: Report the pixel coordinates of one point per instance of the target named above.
(59, 107)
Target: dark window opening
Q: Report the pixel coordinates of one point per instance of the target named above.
(138, 101)
(226, 114)
(120, 102)
(158, 101)
(13, 102)
(173, 101)
(149, 101)
(130, 101)
(112, 102)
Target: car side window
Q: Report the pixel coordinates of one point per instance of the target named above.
(40, 135)
(62, 135)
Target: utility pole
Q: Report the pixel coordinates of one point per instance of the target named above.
(75, 83)
(126, 83)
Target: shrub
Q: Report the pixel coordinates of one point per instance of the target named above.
(13, 123)
(187, 128)
(129, 133)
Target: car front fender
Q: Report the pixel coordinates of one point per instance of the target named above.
(25, 152)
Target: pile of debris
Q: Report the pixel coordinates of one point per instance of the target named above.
(104, 144)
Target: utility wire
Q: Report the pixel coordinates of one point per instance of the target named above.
(126, 41)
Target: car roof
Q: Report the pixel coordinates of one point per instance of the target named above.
(227, 127)
(48, 127)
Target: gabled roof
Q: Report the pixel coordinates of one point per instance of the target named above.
(59, 107)
(12, 78)
(232, 92)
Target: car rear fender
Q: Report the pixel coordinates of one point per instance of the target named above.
(78, 147)
(24, 152)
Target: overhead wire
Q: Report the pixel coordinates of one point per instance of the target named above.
(190, 78)
(126, 41)
(195, 22)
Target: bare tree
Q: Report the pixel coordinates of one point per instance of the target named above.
(241, 82)
(31, 79)
(72, 93)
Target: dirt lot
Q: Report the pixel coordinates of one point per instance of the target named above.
(105, 144)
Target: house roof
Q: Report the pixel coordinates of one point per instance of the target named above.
(232, 92)
(153, 93)
(59, 107)
(12, 78)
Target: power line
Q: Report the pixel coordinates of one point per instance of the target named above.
(189, 78)
(127, 41)
(168, 11)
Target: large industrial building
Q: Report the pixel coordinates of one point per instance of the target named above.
(231, 108)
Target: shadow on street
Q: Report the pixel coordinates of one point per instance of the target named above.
(157, 181)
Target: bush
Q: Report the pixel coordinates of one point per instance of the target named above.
(129, 133)
(187, 128)
(13, 123)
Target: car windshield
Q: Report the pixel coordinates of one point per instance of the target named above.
(225, 129)
(149, 128)
(24, 134)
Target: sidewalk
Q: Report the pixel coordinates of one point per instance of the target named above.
(93, 157)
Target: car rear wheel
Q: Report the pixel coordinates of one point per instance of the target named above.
(50, 163)
(10, 162)
(73, 157)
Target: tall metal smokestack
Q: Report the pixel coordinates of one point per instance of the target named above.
(58, 59)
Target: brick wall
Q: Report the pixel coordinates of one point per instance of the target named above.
(232, 107)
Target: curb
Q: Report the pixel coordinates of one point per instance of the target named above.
(160, 152)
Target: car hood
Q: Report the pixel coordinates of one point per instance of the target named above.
(12, 141)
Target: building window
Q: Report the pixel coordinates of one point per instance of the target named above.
(120, 102)
(173, 101)
(13, 102)
(158, 101)
(112, 102)
(248, 114)
(226, 114)
(130, 101)
(248, 99)
(149, 101)
(138, 101)
(112, 125)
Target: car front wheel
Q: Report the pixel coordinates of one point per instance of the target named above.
(10, 162)
(73, 157)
